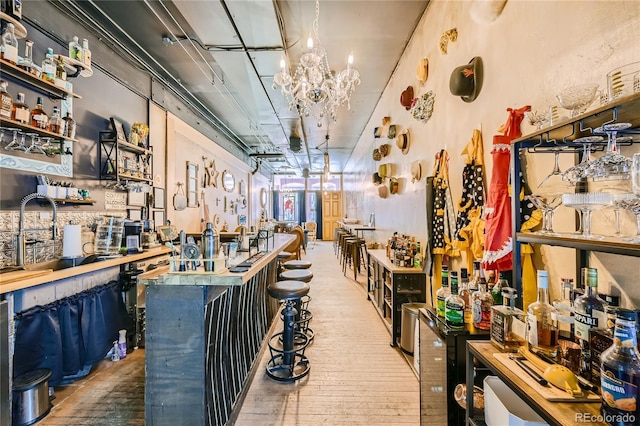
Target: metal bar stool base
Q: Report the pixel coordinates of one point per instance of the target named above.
(298, 364)
(288, 373)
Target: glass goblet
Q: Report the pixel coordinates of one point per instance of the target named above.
(612, 165)
(586, 203)
(549, 192)
(578, 172)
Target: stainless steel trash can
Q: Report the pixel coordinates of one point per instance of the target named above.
(409, 318)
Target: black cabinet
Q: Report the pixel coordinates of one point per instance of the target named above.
(389, 286)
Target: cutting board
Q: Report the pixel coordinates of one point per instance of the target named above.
(550, 392)
(13, 276)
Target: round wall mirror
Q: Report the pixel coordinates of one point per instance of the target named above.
(228, 181)
(263, 198)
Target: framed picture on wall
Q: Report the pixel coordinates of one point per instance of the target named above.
(158, 198)
(192, 184)
(121, 136)
(242, 220)
(158, 218)
(137, 199)
(134, 214)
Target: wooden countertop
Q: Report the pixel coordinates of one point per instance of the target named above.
(556, 413)
(31, 281)
(163, 276)
(381, 257)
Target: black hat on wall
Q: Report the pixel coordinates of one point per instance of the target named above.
(466, 80)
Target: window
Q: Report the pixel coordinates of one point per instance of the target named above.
(312, 215)
(289, 205)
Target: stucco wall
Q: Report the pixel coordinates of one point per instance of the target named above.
(530, 53)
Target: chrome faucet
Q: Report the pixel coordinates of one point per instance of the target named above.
(21, 240)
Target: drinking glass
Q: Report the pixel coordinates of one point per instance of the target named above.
(633, 204)
(579, 171)
(586, 203)
(14, 142)
(548, 195)
(34, 147)
(612, 165)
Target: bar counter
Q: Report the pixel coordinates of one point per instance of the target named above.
(204, 333)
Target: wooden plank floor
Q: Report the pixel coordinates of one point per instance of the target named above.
(355, 378)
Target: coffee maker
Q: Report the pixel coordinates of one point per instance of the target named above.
(132, 238)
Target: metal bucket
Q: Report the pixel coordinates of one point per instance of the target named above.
(31, 397)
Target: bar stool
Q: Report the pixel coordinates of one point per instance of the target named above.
(355, 255)
(303, 275)
(304, 315)
(282, 257)
(288, 362)
(296, 264)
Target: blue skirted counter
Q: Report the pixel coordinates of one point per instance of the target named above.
(204, 333)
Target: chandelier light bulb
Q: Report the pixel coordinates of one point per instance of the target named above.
(310, 43)
(283, 64)
(350, 60)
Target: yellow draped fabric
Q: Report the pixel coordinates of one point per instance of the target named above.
(529, 285)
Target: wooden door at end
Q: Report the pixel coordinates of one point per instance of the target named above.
(331, 213)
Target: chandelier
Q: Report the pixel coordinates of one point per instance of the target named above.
(314, 89)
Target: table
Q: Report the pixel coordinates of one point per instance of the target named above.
(356, 228)
(555, 413)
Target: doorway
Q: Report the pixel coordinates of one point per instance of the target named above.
(331, 212)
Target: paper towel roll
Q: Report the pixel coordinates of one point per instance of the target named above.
(72, 241)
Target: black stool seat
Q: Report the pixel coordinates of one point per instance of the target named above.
(303, 275)
(288, 289)
(284, 255)
(297, 264)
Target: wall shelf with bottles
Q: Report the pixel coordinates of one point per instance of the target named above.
(45, 87)
(27, 128)
(72, 202)
(561, 136)
(78, 68)
(116, 165)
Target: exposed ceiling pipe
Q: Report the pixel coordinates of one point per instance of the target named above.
(190, 100)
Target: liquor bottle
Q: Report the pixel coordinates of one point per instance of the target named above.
(56, 123)
(69, 126)
(481, 302)
(10, 44)
(473, 284)
(542, 326)
(590, 312)
(86, 53)
(75, 50)
(49, 67)
(27, 60)
(39, 118)
(6, 101)
(61, 73)
(466, 295)
(443, 292)
(564, 306)
(620, 373)
(20, 111)
(454, 305)
(507, 323)
(496, 290)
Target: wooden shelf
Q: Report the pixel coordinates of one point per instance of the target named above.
(30, 129)
(71, 201)
(622, 110)
(606, 245)
(78, 68)
(128, 146)
(38, 83)
(20, 31)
